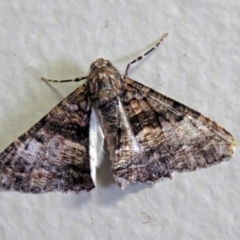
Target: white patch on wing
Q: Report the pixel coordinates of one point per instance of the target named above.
(96, 143)
(135, 145)
(32, 147)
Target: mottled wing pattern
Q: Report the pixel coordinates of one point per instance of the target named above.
(54, 153)
(158, 136)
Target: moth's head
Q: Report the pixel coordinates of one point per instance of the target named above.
(104, 80)
(101, 63)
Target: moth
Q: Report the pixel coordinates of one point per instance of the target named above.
(149, 136)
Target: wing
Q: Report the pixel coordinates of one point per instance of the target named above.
(158, 136)
(54, 153)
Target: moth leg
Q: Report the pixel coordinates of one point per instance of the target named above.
(67, 80)
(145, 54)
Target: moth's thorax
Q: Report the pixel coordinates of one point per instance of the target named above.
(104, 80)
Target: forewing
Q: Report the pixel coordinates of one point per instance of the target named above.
(54, 153)
(158, 136)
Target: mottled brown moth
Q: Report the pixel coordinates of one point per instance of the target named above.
(149, 136)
